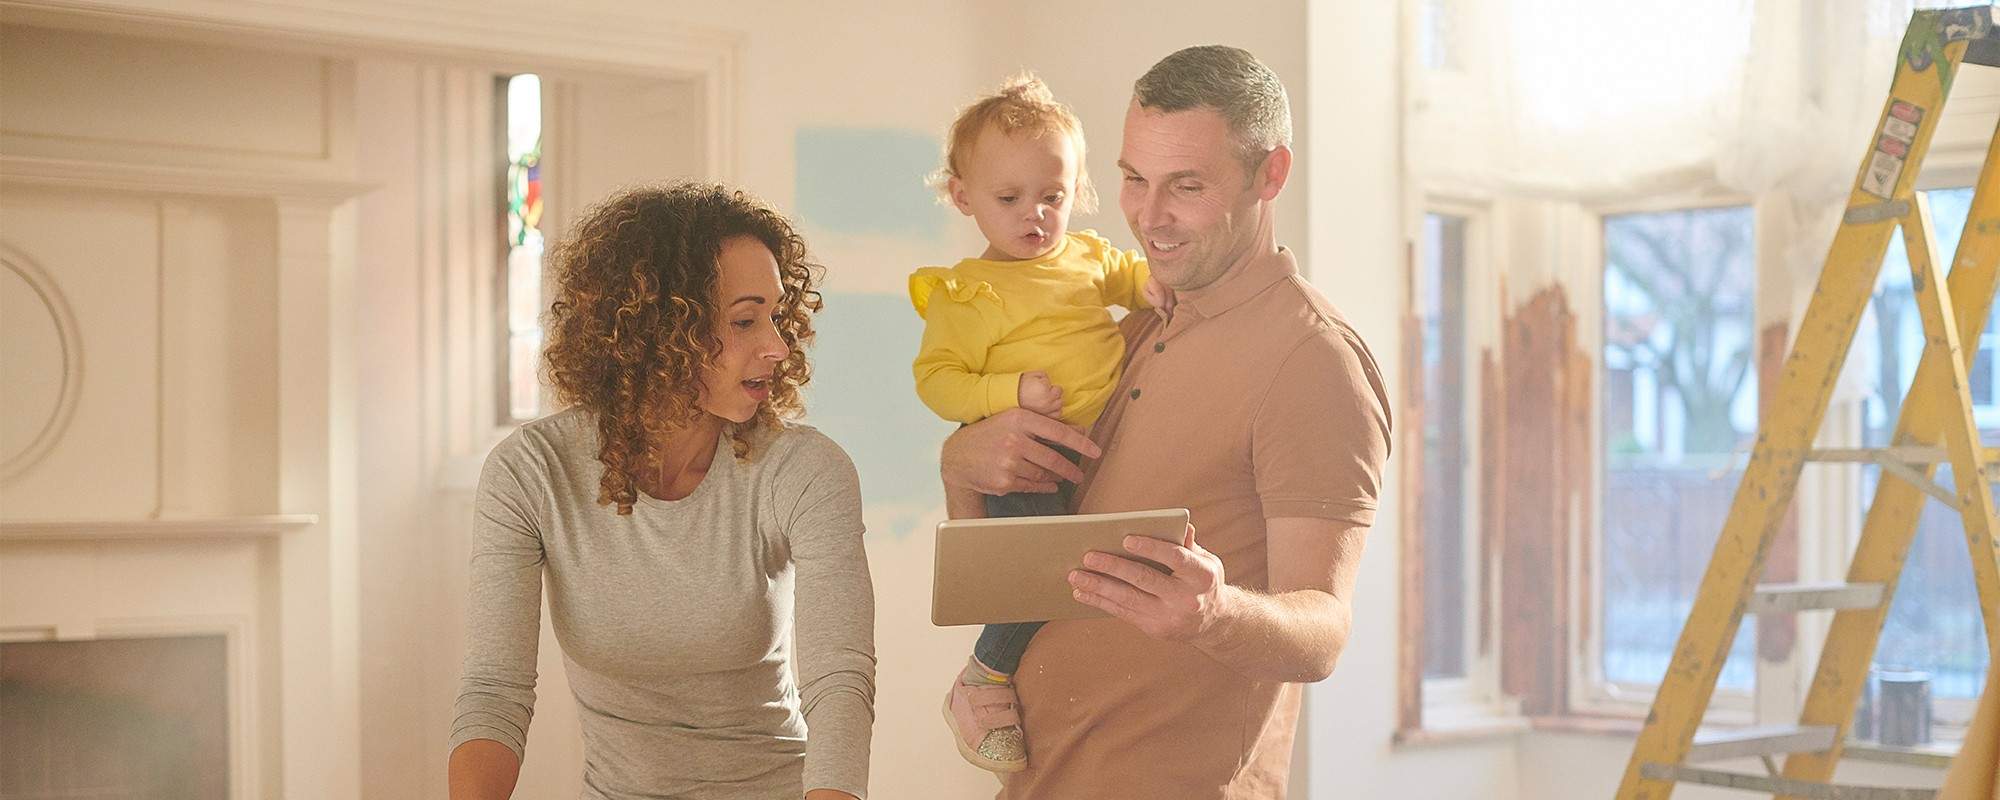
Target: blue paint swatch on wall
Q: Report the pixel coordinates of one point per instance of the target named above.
(863, 396)
(870, 181)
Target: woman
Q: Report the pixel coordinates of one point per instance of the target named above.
(673, 510)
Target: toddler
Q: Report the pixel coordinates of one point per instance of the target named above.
(1024, 324)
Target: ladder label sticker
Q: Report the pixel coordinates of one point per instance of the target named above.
(1899, 130)
(1901, 123)
(1885, 162)
(1883, 170)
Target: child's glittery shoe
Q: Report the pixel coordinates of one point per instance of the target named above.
(985, 722)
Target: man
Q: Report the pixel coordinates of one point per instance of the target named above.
(1254, 405)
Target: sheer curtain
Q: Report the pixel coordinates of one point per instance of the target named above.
(1746, 95)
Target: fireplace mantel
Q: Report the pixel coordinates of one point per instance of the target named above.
(248, 527)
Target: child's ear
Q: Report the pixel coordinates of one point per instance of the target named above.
(956, 188)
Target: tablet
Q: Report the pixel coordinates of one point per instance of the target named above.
(1016, 569)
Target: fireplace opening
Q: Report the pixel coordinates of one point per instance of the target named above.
(115, 719)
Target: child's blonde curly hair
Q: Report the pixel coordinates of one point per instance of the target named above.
(1023, 103)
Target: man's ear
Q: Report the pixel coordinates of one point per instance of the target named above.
(1272, 174)
(956, 188)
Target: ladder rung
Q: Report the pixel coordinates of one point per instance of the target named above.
(1786, 598)
(1907, 454)
(1764, 741)
(1785, 786)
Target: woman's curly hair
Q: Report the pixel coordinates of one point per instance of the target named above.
(632, 327)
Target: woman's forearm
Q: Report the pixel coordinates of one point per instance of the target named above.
(483, 769)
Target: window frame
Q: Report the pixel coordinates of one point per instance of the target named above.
(1473, 699)
(1822, 561)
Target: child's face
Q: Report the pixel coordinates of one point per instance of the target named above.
(1020, 190)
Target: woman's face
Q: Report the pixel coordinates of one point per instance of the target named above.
(747, 296)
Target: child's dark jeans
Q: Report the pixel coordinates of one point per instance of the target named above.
(1000, 646)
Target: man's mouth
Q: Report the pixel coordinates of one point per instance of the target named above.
(1164, 247)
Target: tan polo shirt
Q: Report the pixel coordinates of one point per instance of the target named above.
(1256, 400)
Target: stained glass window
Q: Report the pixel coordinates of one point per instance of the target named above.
(523, 302)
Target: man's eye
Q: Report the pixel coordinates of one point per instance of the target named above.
(1189, 188)
(1134, 179)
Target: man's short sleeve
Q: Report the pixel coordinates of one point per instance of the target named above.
(1321, 434)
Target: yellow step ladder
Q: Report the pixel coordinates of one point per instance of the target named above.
(1936, 426)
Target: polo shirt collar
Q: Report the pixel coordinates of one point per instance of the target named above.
(1233, 290)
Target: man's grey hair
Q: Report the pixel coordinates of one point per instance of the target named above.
(1231, 81)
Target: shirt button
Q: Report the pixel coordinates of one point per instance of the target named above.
(1135, 394)
(1159, 347)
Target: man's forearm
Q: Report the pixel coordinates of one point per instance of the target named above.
(963, 502)
(1292, 636)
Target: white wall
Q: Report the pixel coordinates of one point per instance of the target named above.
(1353, 169)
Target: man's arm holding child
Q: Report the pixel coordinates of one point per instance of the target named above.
(1006, 453)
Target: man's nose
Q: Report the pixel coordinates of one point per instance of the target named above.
(1152, 212)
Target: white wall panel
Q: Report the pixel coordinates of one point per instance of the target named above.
(101, 255)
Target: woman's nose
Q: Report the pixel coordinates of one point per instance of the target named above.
(775, 348)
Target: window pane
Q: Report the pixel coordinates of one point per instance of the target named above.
(1679, 402)
(522, 285)
(1436, 34)
(1441, 308)
(1934, 622)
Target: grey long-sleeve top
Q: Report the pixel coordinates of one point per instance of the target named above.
(676, 622)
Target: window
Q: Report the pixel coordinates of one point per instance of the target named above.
(1440, 308)
(1437, 21)
(1679, 403)
(521, 295)
(1934, 623)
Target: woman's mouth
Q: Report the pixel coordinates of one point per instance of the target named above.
(758, 388)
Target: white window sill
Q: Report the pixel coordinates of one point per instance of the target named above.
(1459, 725)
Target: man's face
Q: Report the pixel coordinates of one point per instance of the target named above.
(1186, 195)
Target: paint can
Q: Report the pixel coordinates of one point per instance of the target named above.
(1905, 701)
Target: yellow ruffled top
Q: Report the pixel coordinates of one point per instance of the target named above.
(986, 322)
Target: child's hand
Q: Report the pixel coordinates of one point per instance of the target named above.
(1037, 394)
(1158, 295)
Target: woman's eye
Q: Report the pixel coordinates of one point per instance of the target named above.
(1008, 199)
(744, 323)
(1054, 199)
